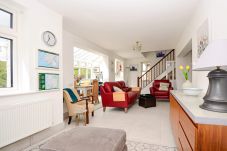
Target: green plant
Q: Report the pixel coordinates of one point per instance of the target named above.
(3, 74)
(185, 71)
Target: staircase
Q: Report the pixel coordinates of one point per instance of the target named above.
(163, 69)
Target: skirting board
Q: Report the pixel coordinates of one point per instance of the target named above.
(33, 139)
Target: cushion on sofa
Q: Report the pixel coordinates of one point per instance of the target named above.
(116, 89)
(109, 86)
(164, 86)
(126, 89)
(161, 93)
(122, 83)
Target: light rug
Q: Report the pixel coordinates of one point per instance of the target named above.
(139, 146)
(132, 146)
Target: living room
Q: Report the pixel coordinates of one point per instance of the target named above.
(129, 35)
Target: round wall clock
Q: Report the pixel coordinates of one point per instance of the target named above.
(49, 38)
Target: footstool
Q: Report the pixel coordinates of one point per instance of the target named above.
(147, 100)
(88, 139)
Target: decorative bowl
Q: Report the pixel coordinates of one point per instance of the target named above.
(192, 91)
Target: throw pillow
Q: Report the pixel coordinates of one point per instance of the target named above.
(164, 86)
(72, 95)
(116, 89)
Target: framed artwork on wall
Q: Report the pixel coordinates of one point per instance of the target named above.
(48, 59)
(133, 67)
(202, 37)
(48, 81)
(118, 66)
(160, 54)
(96, 69)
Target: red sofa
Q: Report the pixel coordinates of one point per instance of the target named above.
(118, 99)
(160, 94)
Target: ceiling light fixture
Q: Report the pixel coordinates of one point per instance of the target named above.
(137, 46)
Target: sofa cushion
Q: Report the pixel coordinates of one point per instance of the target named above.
(109, 86)
(164, 86)
(88, 139)
(161, 93)
(126, 89)
(122, 83)
(116, 89)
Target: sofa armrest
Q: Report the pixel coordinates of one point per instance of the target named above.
(152, 90)
(170, 88)
(138, 89)
(119, 96)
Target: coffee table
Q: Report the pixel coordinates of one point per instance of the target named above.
(147, 100)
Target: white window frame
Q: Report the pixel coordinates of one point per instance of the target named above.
(11, 33)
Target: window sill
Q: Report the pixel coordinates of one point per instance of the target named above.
(16, 93)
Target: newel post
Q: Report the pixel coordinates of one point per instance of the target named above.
(138, 81)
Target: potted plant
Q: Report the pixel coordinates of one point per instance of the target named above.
(185, 71)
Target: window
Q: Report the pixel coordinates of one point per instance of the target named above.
(84, 73)
(6, 79)
(6, 19)
(7, 38)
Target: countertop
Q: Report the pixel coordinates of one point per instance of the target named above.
(190, 104)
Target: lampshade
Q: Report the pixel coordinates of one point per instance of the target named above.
(214, 55)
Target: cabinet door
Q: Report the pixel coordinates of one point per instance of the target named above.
(174, 116)
(183, 140)
(189, 128)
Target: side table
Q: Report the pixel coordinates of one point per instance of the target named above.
(147, 100)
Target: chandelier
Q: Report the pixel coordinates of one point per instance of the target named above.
(137, 46)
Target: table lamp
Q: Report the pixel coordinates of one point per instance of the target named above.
(214, 59)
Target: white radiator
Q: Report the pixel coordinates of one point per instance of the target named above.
(21, 120)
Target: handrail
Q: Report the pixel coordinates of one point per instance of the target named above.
(157, 63)
(139, 79)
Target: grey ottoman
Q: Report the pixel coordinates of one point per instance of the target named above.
(88, 139)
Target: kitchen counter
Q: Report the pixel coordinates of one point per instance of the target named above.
(190, 104)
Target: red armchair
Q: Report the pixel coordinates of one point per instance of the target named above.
(118, 99)
(160, 94)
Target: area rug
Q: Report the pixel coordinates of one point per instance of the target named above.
(132, 146)
(139, 146)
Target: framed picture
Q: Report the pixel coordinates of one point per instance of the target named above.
(133, 67)
(118, 67)
(202, 37)
(48, 59)
(160, 54)
(48, 81)
(96, 69)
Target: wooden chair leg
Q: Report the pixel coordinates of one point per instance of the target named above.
(77, 119)
(70, 118)
(84, 118)
(126, 110)
(104, 109)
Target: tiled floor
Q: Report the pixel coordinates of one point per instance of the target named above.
(151, 125)
(147, 129)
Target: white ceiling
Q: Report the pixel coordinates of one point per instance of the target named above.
(116, 25)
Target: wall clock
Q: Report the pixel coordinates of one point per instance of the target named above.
(49, 38)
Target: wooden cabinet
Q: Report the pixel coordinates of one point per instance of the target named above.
(190, 136)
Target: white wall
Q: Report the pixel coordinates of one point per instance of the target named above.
(215, 11)
(33, 19)
(131, 76)
(69, 41)
(202, 12)
(184, 61)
